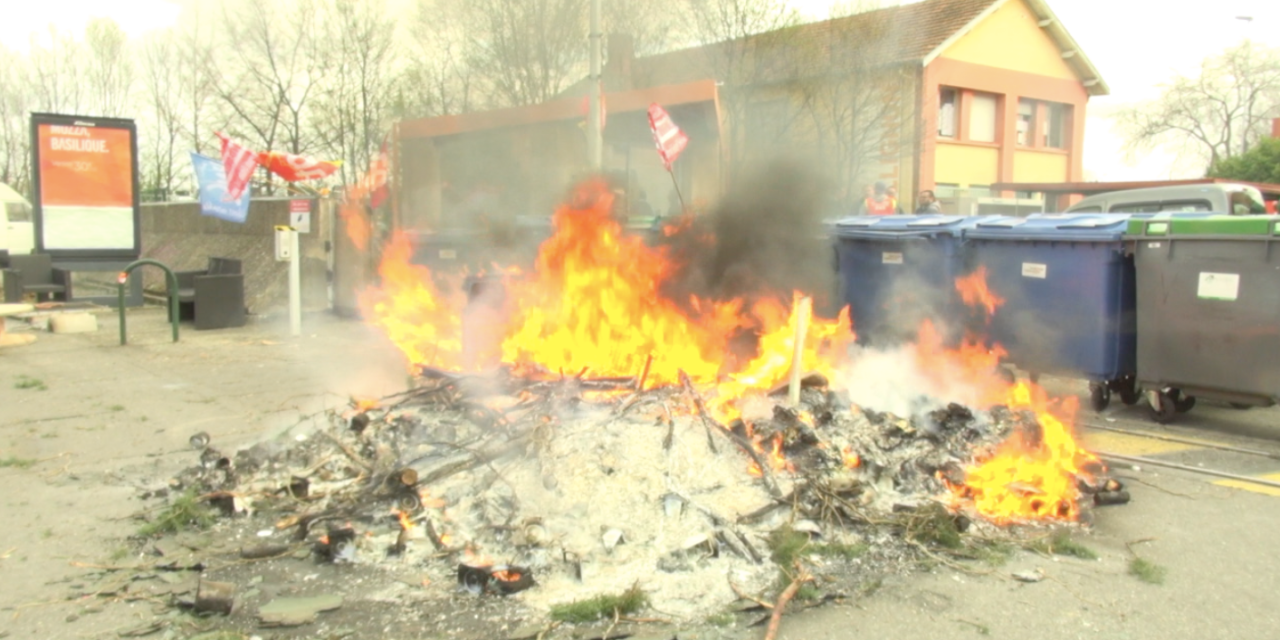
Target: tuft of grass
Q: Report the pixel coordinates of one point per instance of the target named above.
(26, 382)
(722, 619)
(808, 592)
(116, 407)
(1061, 544)
(16, 463)
(786, 544)
(119, 554)
(601, 607)
(46, 534)
(934, 525)
(186, 511)
(840, 550)
(1146, 570)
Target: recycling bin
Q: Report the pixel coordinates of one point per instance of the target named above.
(896, 272)
(1208, 310)
(1065, 283)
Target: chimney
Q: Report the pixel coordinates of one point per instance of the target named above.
(619, 54)
(1275, 127)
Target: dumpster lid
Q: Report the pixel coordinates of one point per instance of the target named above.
(1206, 225)
(1097, 227)
(906, 225)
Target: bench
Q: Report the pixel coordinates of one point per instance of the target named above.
(34, 273)
(213, 297)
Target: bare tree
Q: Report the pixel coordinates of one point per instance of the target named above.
(527, 50)
(1217, 114)
(160, 138)
(438, 78)
(54, 74)
(856, 96)
(653, 29)
(15, 146)
(270, 71)
(739, 39)
(108, 69)
(352, 105)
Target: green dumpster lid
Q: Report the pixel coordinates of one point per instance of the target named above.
(1218, 225)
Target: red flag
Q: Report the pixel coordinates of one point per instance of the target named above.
(295, 168)
(669, 138)
(238, 162)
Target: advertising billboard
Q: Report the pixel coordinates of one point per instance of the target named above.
(86, 186)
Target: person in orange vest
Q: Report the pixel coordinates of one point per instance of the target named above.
(880, 203)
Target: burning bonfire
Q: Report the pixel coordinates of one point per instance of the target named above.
(584, 432)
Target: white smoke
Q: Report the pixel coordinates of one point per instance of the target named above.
(894, 380)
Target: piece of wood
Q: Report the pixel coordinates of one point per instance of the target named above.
(775, 619)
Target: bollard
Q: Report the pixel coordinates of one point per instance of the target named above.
(171, 282)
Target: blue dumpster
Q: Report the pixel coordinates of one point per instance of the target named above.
(897, 271)
(1069, 296)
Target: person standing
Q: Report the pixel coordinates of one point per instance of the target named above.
(928, 203)
(880, 203)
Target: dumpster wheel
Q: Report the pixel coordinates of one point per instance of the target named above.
(1128, 389)
(1099, 396)
(1182, 402)
(1162, 406)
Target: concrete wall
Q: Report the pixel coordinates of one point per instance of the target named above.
(177, 235)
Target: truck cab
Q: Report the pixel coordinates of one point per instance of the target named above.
(17, 232)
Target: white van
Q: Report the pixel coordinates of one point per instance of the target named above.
(1234, 199)
(17, 231)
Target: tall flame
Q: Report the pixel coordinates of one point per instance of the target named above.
(422, 321)
(1032, 475)
(975, 292)
(596, 305)
(593, 303)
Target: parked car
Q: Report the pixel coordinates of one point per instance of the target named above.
(17, 232)
(1234, 199)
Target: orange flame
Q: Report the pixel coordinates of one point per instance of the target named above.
(825, 345)
(359, 230)
(421, 321)
(405, 522)
(507, 575)
(1031, 476)
(365, 404)
(594, 303)
(975, 293)
(851, 459)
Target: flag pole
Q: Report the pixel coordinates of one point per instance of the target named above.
(676, 183)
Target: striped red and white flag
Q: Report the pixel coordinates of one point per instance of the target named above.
(669, 138)
(238, 162)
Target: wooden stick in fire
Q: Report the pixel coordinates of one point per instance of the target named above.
(766, 472)
(803, 309)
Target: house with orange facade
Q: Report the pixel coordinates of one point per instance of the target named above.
(949, 95)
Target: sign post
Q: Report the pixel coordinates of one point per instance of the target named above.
(287, 250)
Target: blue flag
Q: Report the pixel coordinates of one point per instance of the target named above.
(213, 191)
